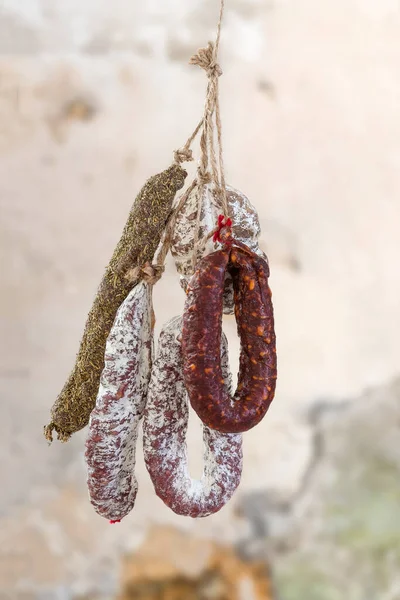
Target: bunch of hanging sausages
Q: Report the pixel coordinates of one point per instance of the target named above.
(190, 368)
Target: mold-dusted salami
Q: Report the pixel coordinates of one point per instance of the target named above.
(164, 433)
(201, 340)
(245, 228)
(114, 422)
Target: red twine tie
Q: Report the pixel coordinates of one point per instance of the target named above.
(113, 522)
(222, 222)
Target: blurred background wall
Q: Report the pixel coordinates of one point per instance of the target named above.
(94, 97)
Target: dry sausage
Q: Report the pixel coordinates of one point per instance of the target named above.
(138, 243)
(201, 340)
(114, 422)
(164, 433)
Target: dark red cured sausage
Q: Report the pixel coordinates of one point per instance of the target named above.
(201, 340)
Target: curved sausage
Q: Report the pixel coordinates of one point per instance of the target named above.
(201, 339)
(114, 422)
(164, 434)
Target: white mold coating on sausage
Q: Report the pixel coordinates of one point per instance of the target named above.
(246, 229)
(164, 437)
(114, 422)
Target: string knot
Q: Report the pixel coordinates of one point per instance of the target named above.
(223, 223)
(112, 522)
(183, 155)
(203, 177)
(205, 59)
(147, 272)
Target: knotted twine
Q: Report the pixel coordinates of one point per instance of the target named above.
(207, 59)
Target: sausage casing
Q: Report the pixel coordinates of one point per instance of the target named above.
(201, 340)
(164, 434)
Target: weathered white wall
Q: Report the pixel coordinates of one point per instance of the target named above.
(310, 98)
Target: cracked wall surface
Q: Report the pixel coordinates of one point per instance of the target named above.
(94, 97)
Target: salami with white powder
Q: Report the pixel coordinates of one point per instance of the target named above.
(114, 422)
(164, 437)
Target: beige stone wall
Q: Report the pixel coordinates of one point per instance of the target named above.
(94, 97)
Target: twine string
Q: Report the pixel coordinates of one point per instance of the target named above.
(185, 153)
(207, 59)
